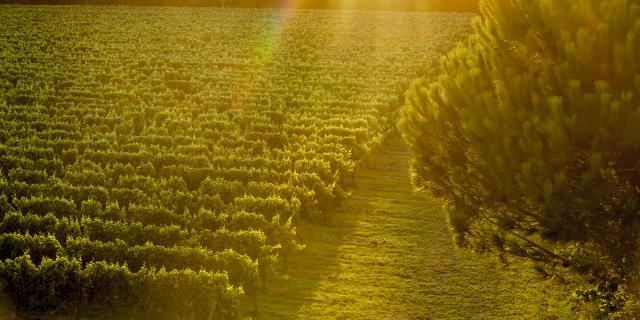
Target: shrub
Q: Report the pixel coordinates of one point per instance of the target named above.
(531, 136)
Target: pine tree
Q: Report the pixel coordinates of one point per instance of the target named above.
(531, 137)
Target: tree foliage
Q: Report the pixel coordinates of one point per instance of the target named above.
(531, 136)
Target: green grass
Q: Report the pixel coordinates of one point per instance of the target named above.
(386, 253)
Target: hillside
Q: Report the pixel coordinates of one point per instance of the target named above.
(147, 148)
(173, 162)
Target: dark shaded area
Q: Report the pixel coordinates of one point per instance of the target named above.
(406, 5)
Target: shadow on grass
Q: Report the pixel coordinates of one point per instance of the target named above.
(319, 264)
(295, 287)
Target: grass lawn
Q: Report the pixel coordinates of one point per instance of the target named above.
(386, 253)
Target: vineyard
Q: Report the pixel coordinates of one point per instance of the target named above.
(160, 159)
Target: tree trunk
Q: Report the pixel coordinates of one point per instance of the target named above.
(214, 309)
(255, 303)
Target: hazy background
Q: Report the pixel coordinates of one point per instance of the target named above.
(408, 5)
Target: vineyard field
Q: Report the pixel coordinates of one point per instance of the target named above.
(158, 161)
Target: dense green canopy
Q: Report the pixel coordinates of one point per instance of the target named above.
(532, 138)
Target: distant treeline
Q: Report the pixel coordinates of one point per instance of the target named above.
(409, 5)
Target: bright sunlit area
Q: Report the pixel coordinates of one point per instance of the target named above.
(319, 159)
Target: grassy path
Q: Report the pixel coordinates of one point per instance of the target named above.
(387, 254)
